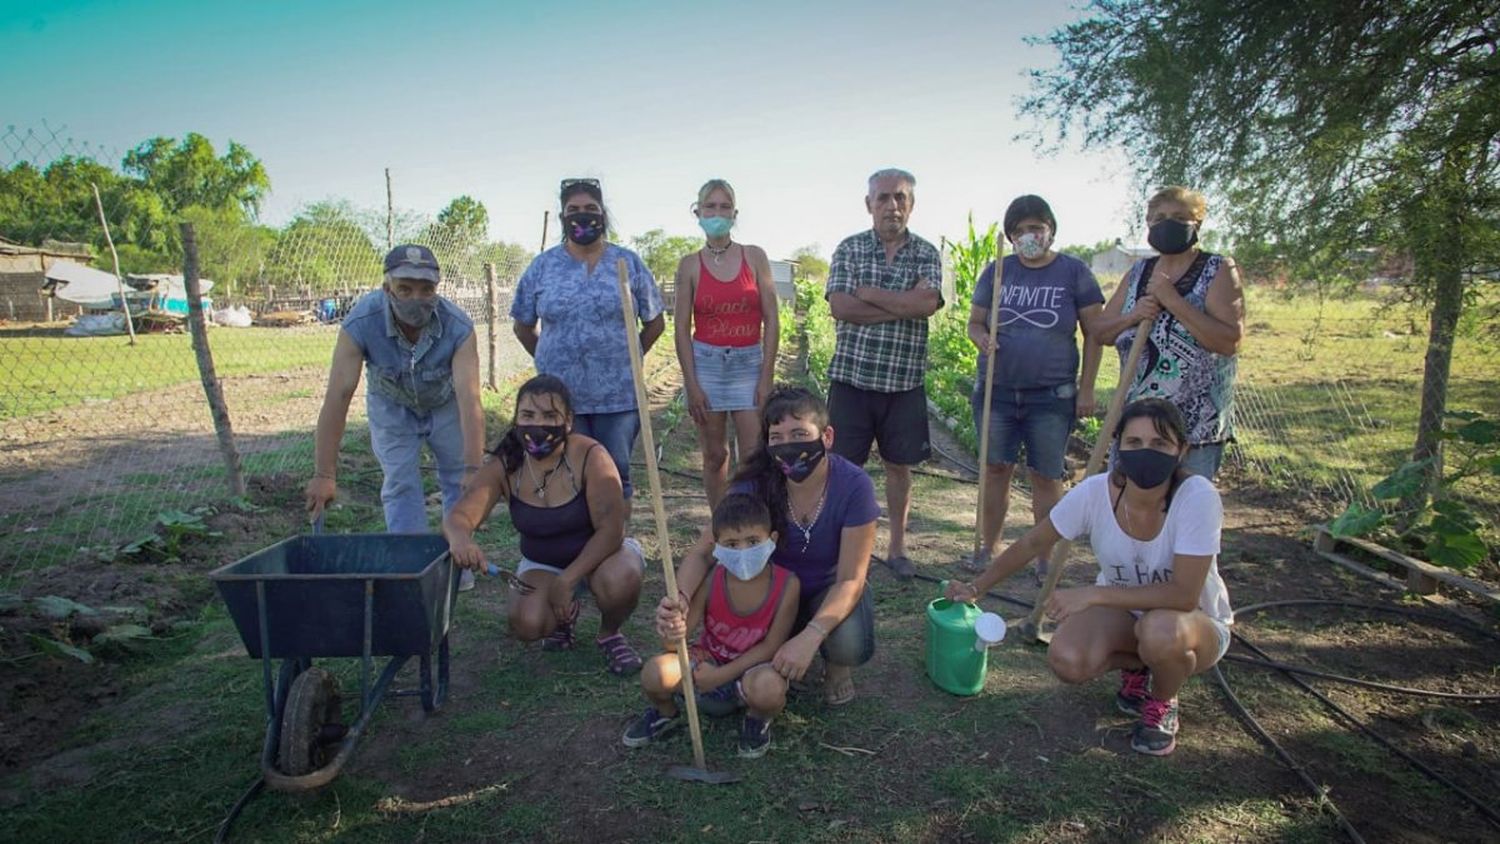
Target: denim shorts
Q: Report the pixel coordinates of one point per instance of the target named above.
(728, 375)
(1204, 459)
(617, 433)
(1040, 418)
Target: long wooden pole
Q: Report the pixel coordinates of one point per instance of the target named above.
(989, 387)
(1064, 547)
(211, 385)
(663, 540)
(492, 311)
(390, 214)
(119, 279)
(546, 215)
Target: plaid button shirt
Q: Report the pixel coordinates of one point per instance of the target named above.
(889, 357)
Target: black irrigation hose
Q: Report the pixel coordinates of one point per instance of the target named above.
(1489, 813)
(1355, 681)
(1324, 801)
(996, 595)
(1412, 612)
(239, 805)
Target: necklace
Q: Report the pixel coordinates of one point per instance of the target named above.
(539, 487)
(806, 529)
(718, 251)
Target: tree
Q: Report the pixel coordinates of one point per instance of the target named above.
(810, 264)
(1329, 126)
(662, 251)
(324, 247)
(1087, 254)
(191, 173)
(465, 221)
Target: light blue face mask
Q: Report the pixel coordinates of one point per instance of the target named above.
(744, 563)
(716, 226)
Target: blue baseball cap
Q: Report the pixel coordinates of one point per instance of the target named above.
(412, 261)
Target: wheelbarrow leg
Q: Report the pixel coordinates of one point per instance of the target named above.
(365, 662)
(435, 694)
(424, 670)
(443, 660)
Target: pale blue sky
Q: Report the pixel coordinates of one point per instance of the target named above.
(794, 103)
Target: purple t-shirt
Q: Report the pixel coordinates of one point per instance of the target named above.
(1038, 320)
(851, 503)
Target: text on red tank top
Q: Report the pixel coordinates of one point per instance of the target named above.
(726, 313)
(726, 633)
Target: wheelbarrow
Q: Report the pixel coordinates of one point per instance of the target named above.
(337, 595)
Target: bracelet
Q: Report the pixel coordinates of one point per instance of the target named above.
(822, 631)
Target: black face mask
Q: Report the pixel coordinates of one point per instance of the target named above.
(797, 460)
(1172, 237)
(583, 227)
(1147, 467)
(541, 440)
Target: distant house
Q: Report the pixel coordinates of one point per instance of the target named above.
(1108, 266)
(23, 274)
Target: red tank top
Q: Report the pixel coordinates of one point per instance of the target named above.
(726, 633)
(726, 313)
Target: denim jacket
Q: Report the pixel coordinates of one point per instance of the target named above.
(417, 375)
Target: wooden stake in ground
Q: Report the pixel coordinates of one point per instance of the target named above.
(119, 279)
(211, 386)
(1060, 552)
(989, 389)
(663, 540)
(492, 312)
(546, 215)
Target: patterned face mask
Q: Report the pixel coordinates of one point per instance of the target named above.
(584, 227)
(1033, 245)
(797, 460)
(541, 440)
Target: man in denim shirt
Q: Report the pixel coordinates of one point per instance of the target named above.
(423, 364)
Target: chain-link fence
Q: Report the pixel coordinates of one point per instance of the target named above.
(102, 432)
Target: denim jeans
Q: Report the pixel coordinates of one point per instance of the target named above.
(617, 433)
(850, 644)
(396, 436)
(1204, 459)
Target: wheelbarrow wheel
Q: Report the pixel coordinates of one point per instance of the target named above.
(313, 715)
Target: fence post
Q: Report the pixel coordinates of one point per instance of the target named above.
(492, 313)
(211, 386)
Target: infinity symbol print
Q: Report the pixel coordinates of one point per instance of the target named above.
(1039, 317)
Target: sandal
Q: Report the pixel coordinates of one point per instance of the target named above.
(561, 638)
(620, 659)
(838, 694)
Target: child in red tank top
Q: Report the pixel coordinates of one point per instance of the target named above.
(746, 606)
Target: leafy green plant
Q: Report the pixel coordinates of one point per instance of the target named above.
(165, 542)
(952, 358)
(1442, 528)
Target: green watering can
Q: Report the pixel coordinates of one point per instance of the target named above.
(959, 636)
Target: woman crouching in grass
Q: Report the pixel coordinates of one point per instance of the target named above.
(1158, 611)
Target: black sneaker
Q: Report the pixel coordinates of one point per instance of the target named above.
(651, 726)
(1134, 687)
(755, 738)
(1156, 733)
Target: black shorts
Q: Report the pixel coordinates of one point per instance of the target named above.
(897, 421)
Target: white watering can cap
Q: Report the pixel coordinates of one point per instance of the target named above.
(990, 628)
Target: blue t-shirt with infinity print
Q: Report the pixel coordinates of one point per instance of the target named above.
(1038, 320)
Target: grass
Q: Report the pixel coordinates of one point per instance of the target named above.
(41, 373)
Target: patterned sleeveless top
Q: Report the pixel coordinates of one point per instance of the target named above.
(1174, 366)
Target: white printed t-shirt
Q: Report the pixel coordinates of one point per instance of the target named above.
(1192, 528)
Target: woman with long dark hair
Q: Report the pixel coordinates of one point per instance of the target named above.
(565, 500)
(1158, 611)
(823, 509)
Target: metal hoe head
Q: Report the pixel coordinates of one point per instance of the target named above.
(692, 774)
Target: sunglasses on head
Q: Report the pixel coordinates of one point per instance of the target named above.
(588, 183)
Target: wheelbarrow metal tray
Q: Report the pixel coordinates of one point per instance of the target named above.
(314, 588)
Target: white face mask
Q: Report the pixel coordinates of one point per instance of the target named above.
(1033, 245)
(744, 563)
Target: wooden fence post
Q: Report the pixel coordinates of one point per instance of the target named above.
(492, 315)
(211, 386)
